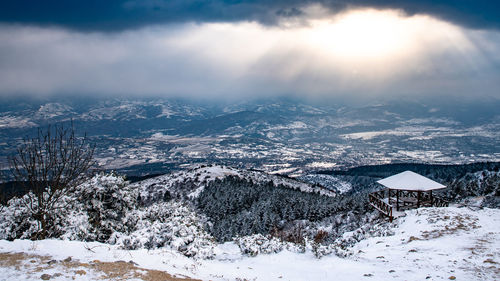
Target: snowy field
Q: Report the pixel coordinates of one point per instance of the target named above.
(428, 244)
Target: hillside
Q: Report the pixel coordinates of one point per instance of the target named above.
(432, 243)
(191, 182)
(205, 221)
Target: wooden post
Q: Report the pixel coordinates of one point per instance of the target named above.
(432, 201)
(418, 199)
(397, 200)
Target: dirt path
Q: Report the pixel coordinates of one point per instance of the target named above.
(31, 266)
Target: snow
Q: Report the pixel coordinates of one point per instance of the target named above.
(429, 243)
(439, 242)
(290, 126)
(409, 180)
(201, 175)
(413, 130)
(323, 165)
(328, 181)
(51, 110)
(283, 171)
(15, 122)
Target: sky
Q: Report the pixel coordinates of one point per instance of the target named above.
(241, 49)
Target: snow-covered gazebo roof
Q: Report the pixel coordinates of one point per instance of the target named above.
(409, 180)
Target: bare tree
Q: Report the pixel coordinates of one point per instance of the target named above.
(3, 198)
(49, 165)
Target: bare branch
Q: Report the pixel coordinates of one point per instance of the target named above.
(49, 165)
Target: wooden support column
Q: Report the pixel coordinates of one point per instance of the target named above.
(432, 201)
(397, 200)
(418, 198)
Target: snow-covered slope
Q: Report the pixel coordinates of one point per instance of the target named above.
(191, 182)
(328, 181)
(428, 244)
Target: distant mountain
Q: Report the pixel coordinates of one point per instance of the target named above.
(153, 135)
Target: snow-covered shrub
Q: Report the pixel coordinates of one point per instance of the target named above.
(253, 245)
(321, 250)
(292, 232)
(491, 201)
(320, 236)
(18, 218)
(91, 211)
(106, 209)
(342, 245)
(105, 201)
(256, 244)
(483, 183)
(170, 224)
(339, 233)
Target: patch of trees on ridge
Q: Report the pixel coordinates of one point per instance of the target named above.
(239, 207)
(434, 171)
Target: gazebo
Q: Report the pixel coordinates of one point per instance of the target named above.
(403, 191)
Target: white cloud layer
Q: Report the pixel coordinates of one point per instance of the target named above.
(359, 53)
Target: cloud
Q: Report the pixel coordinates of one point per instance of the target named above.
(248, 59)
(117, 15)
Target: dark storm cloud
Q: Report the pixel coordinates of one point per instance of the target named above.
(224, 61)
(108, 15)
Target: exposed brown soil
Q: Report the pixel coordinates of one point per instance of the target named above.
(454, 224)
(118, 270)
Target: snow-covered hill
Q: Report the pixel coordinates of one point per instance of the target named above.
(328, 181)
(191, 182)
(221, 223)
(428, 244)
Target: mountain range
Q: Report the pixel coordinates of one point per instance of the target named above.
(140, 136)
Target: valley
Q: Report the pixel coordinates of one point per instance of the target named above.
(153, 136)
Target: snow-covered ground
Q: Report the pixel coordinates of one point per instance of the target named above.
(201, 175)
(428, 244)
(328, 181)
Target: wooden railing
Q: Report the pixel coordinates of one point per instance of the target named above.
(377, 202)
(379, 194)
(439, 202)
(383, 204)
(432, 201)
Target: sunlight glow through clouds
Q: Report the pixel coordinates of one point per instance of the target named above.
(360, 52)
(383, 37)
(354, 41)
(360, 35)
